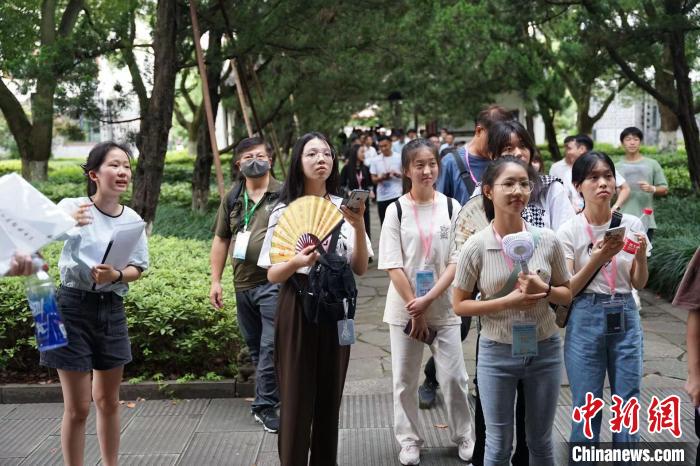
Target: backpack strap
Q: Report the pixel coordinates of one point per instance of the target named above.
(333, 245)
(399, 212)
(233, 196)
(464, 172)
(449, 207)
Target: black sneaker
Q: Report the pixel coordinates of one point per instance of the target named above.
(269, 419)
(426, 395)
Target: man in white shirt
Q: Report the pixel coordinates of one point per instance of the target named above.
(575, 147)
(370, 152)
(386, 174)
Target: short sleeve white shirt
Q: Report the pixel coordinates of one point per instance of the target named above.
(393, 187)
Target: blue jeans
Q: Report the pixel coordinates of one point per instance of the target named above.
(589, 353)
(256, 309)
(498, 373)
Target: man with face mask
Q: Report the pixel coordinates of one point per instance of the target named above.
(242, 223)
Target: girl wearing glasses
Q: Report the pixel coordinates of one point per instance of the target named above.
(311, 365)
(519, 338)
(548, 207)
(604, 333)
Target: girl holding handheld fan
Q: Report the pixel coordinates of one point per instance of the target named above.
(311, 362)
(519, 338)
(414, 248)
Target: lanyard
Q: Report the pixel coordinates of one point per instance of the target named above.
(469, 167)
(359, 177)
(426, 238)
(248, 214)
(610, 276)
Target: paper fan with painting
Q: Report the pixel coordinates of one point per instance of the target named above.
(305, 222)
(471, 218)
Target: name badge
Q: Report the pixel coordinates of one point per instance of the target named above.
(614, 317)
(524, 339)
(424, 282)
(346, 332)
(241, 246)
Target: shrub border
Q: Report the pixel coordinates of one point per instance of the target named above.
(51, 393)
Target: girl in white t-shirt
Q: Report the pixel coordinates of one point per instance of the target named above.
(91, 366)
(604, 333)
(415, 250)
(311, 364)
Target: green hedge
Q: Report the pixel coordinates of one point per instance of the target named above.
(173, 328)
(675, 241)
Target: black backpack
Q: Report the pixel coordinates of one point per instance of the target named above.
(331, 287)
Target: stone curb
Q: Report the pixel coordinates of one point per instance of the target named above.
(51, 393)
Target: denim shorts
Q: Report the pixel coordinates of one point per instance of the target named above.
(97, 335)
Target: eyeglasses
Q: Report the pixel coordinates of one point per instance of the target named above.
(258, 155)
(313, 155)
(509, 187)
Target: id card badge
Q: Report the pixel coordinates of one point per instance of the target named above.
(524, 338)
(614, 317)
(424, 281)
(242, 240)
(346, 332)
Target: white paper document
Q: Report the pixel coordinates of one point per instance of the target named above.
(28, 219)
(124, 239)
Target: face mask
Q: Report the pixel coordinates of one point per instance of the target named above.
(255, 168)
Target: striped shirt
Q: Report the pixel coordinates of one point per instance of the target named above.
(482, 263)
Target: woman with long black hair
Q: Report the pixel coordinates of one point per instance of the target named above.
(311, 364)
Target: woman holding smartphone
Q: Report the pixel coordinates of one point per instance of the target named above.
(604, 333)
(311, 364)
(414, 248)
(519, 339)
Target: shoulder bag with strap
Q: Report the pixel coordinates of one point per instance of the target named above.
(464, 172)
(331, 294)
(563, 311)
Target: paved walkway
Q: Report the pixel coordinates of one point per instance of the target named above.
(221, 431)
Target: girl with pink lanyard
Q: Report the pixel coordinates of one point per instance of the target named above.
(414, 248)
(604, 333)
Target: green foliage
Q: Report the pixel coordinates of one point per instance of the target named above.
(173, 328)
(676, 240)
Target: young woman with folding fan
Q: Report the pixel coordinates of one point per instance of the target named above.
(311, 364)
(519, 339)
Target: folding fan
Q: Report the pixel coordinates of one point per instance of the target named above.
(305, 222)
(471, 218)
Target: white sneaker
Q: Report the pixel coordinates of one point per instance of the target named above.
(466, 450)
(409, 455)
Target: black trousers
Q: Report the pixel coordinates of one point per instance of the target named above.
(311, 368)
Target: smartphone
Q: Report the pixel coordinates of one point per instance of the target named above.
(432, 333)
(356, 198)
(617, 232)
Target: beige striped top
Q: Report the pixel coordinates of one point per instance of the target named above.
(481, 262)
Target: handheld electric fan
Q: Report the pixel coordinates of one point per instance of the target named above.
(520, 247)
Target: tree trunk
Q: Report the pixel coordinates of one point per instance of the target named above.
(550, 131)
(201, 177)
(156, 119)
(530, 125)
(584, 123)
(663, 78)
(686, 105)
(35, 166)
(191, 146)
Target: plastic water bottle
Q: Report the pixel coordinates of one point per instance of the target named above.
(41, 294)
(646, 218)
